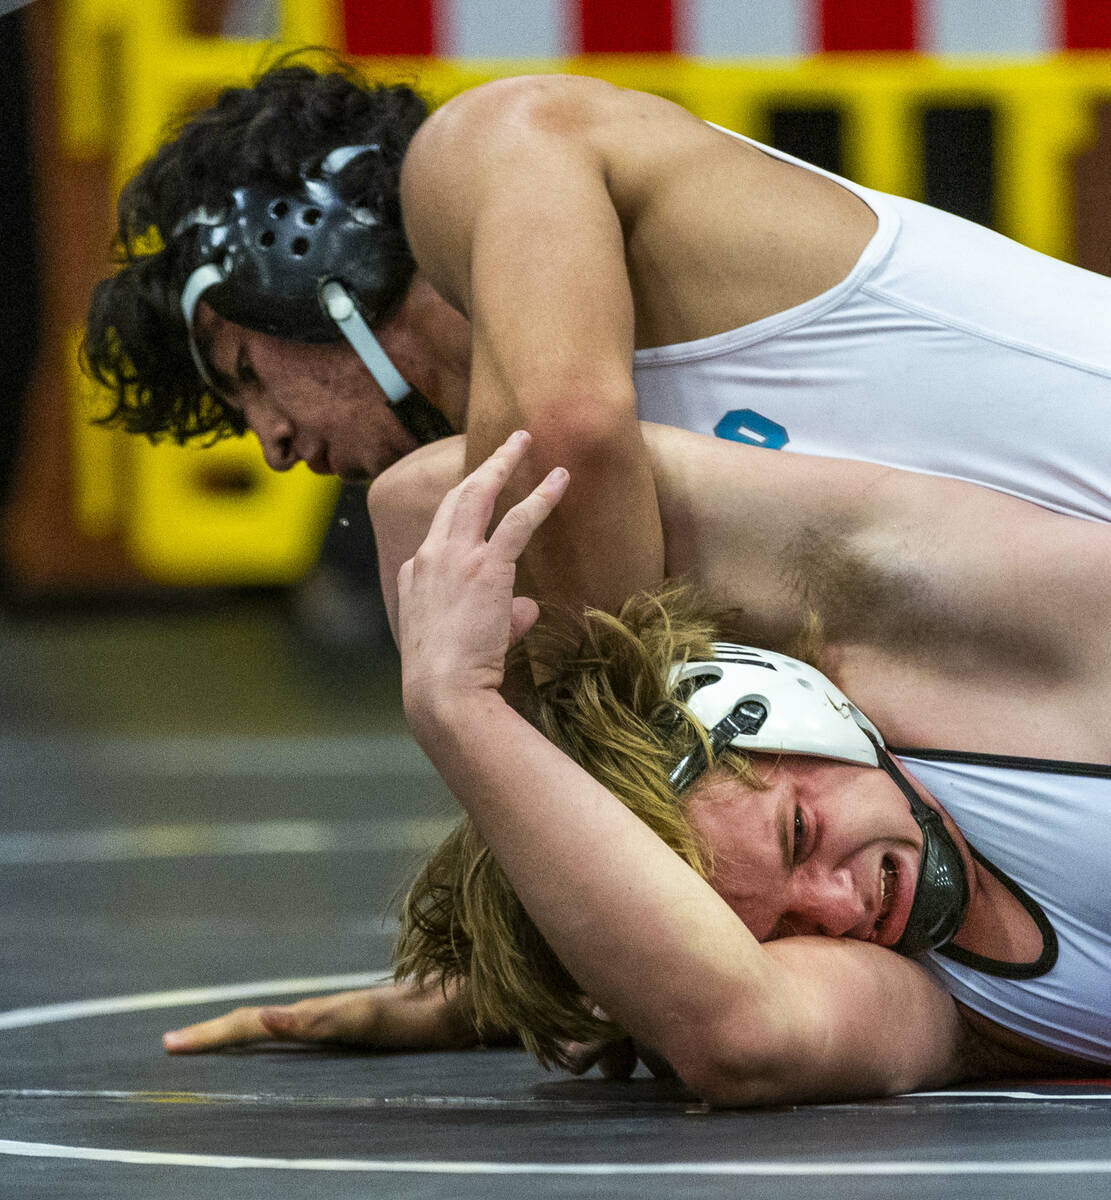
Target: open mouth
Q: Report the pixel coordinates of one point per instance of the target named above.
(889, 892)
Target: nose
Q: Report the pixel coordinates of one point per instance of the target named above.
(275, 436)
(828, 904)
(279, 453)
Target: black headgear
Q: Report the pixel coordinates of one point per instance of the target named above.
(308, 266)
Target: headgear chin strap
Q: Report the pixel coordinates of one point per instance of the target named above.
(295, 266)
(761, 701)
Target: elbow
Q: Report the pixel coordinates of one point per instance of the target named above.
(586, 426)
(720, 1084)
(721, 1081)
(727, 1073)
(729, 1084)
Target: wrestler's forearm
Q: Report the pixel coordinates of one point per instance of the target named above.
(509, 206)
(643, 935)
(605, 542)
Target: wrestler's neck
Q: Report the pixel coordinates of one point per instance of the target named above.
(429, 342)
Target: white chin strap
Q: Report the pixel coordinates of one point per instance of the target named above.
(196, 285)
(341, 308)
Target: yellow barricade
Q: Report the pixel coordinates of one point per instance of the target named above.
(221, 516)
(191, 515)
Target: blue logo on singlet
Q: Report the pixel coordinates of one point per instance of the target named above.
(745, 425)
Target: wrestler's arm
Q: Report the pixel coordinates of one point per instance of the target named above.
(402, 502)
(644, 936)
(398, 1016)
(507, 208)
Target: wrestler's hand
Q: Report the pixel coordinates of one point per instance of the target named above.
(615, 1060)
(457, 612)
(347, 1018)
(394, 1017)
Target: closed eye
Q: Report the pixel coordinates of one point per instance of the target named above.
(245, 375)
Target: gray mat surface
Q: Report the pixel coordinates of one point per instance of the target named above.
(141, 855)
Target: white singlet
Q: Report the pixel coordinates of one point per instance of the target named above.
(948, 350)
(1051, 833)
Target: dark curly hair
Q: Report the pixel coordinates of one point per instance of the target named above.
(267, 134)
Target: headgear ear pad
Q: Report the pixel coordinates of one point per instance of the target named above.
(275, 263)
(276, 251)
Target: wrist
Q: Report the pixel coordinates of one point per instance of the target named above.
(444, 712)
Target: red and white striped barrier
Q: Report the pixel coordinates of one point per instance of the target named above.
(724, 29)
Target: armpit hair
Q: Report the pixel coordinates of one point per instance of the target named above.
(881, 595)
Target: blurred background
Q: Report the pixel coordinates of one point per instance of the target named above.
(159, 587)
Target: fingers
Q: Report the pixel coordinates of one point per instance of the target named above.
(656, 1063)
(618, 1060)
(581, 1056)
(522, 521)
(468, 507)
(615, 1060)
(523, 616)
(470, 504)
(346, 1017)
(234, 1028)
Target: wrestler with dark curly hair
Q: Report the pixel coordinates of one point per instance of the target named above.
(267, 135)
(557, 254)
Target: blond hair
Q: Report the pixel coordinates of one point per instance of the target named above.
(606, 704)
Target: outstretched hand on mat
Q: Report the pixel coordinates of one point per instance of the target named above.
(457, 613)
(394, 1017)
(346, 1018)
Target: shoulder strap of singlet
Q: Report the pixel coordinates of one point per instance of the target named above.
(1048, 766)
(1045, 961)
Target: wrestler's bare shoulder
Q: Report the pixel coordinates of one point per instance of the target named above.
(635, 141)
(562, 104)
(717, 233)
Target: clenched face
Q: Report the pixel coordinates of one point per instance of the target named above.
(828, 848)
(305, 402)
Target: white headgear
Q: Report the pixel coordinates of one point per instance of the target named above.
(759, 700)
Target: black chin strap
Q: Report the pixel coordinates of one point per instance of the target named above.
(941, 894)
(421, 417)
